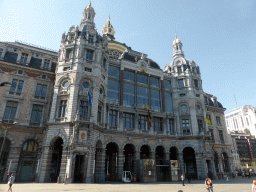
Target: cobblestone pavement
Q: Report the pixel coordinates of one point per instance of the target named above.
(235, 185)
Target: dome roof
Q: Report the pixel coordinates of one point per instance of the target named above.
(176, 40)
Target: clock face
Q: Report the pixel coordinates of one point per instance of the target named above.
(143, 65)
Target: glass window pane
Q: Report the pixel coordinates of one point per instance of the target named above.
(14, 84)
(19, 88)
(154, 82)
(142, 79)
(113, 71)
(128, 95)
(168, 102)
(155, 100)
(38, 90)
(167, 85)
(128, 75)
(113, 92)
(44, 91)
(181, 83)
(142, 96)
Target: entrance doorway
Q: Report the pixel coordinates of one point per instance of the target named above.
(145, 152)
(209, 169)
(111, 162)
(56, 160)
(190, 162)
(79, 169)
(225, 162)
(128, 157)
(162, 167)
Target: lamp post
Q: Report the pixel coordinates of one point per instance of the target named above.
(5, 84)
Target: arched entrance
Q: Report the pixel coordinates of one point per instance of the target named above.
(190, 162)
(111, 162)
(28, 161)
(98, 160)
(173, 153)
(129, 152)
(145, 152)
(225, 162)
(56, 160)
(4, 156)
(162, 168)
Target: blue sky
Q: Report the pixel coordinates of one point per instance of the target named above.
(218, 35)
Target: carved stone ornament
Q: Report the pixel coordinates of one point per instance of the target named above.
(143, 66)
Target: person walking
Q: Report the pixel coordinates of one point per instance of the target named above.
(254, 186)
(10, 182)
(209, 186)
(182, 178)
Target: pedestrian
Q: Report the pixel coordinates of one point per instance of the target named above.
(10, 182)
(209, 186)
(233, 175)
(182, 178)
(254, 186)
(227, 178)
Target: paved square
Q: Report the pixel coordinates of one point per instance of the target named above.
(236, 185)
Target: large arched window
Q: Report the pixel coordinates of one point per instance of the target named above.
(30, 145)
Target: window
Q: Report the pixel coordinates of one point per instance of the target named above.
(180, 83)
(129, 95)
(10, 111)
(221, 135)
(1, 52)
(104, 63)
(63, 108)
(70, 53)
(112, 118)
(200, 125)
(43, 76)
(36, 115)
(168, 102)
(211, 134)
(182, 95)
(88, 69)
(129, 76)
(128, 120)
(16, 87)
(155, 100)
(30, 146)
(157, 123)
(113, 92)
(83, 109)
(99, 120)
(89, 55)
(142, 96)
(20, 72)
(171, 125)
(167, 85)
(24, 58)
(66, 68)
(179, 70)
(86, 85)
(40, 91)
(185, 126)
(90, 38)
(218, 121)
(114, 72)
(196, 83)
(65, 84)
(154, 82)
(142, 79)
(143, 122)
(46, 64)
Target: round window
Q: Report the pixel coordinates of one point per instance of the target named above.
(65, 84)
(86, 85)
(198, 107)
(183, 107)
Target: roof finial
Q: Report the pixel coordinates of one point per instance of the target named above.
(176, 37)
(109, 18)
(90, 3)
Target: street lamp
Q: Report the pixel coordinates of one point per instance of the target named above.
(5, 84)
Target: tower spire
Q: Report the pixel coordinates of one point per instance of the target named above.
(177, 48)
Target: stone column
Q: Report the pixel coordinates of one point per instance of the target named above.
(90, 166)
(120, 165)
(102, 166)
(214, 169)
(63, 164)
(69, 166)
(181, 162)
(3, 53)
(54, 104)
(135, 164)
(194, 124)
(29, 58)
(200, 166)
(136, 123)
(45, 165)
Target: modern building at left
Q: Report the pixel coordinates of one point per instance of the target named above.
(98, 108)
